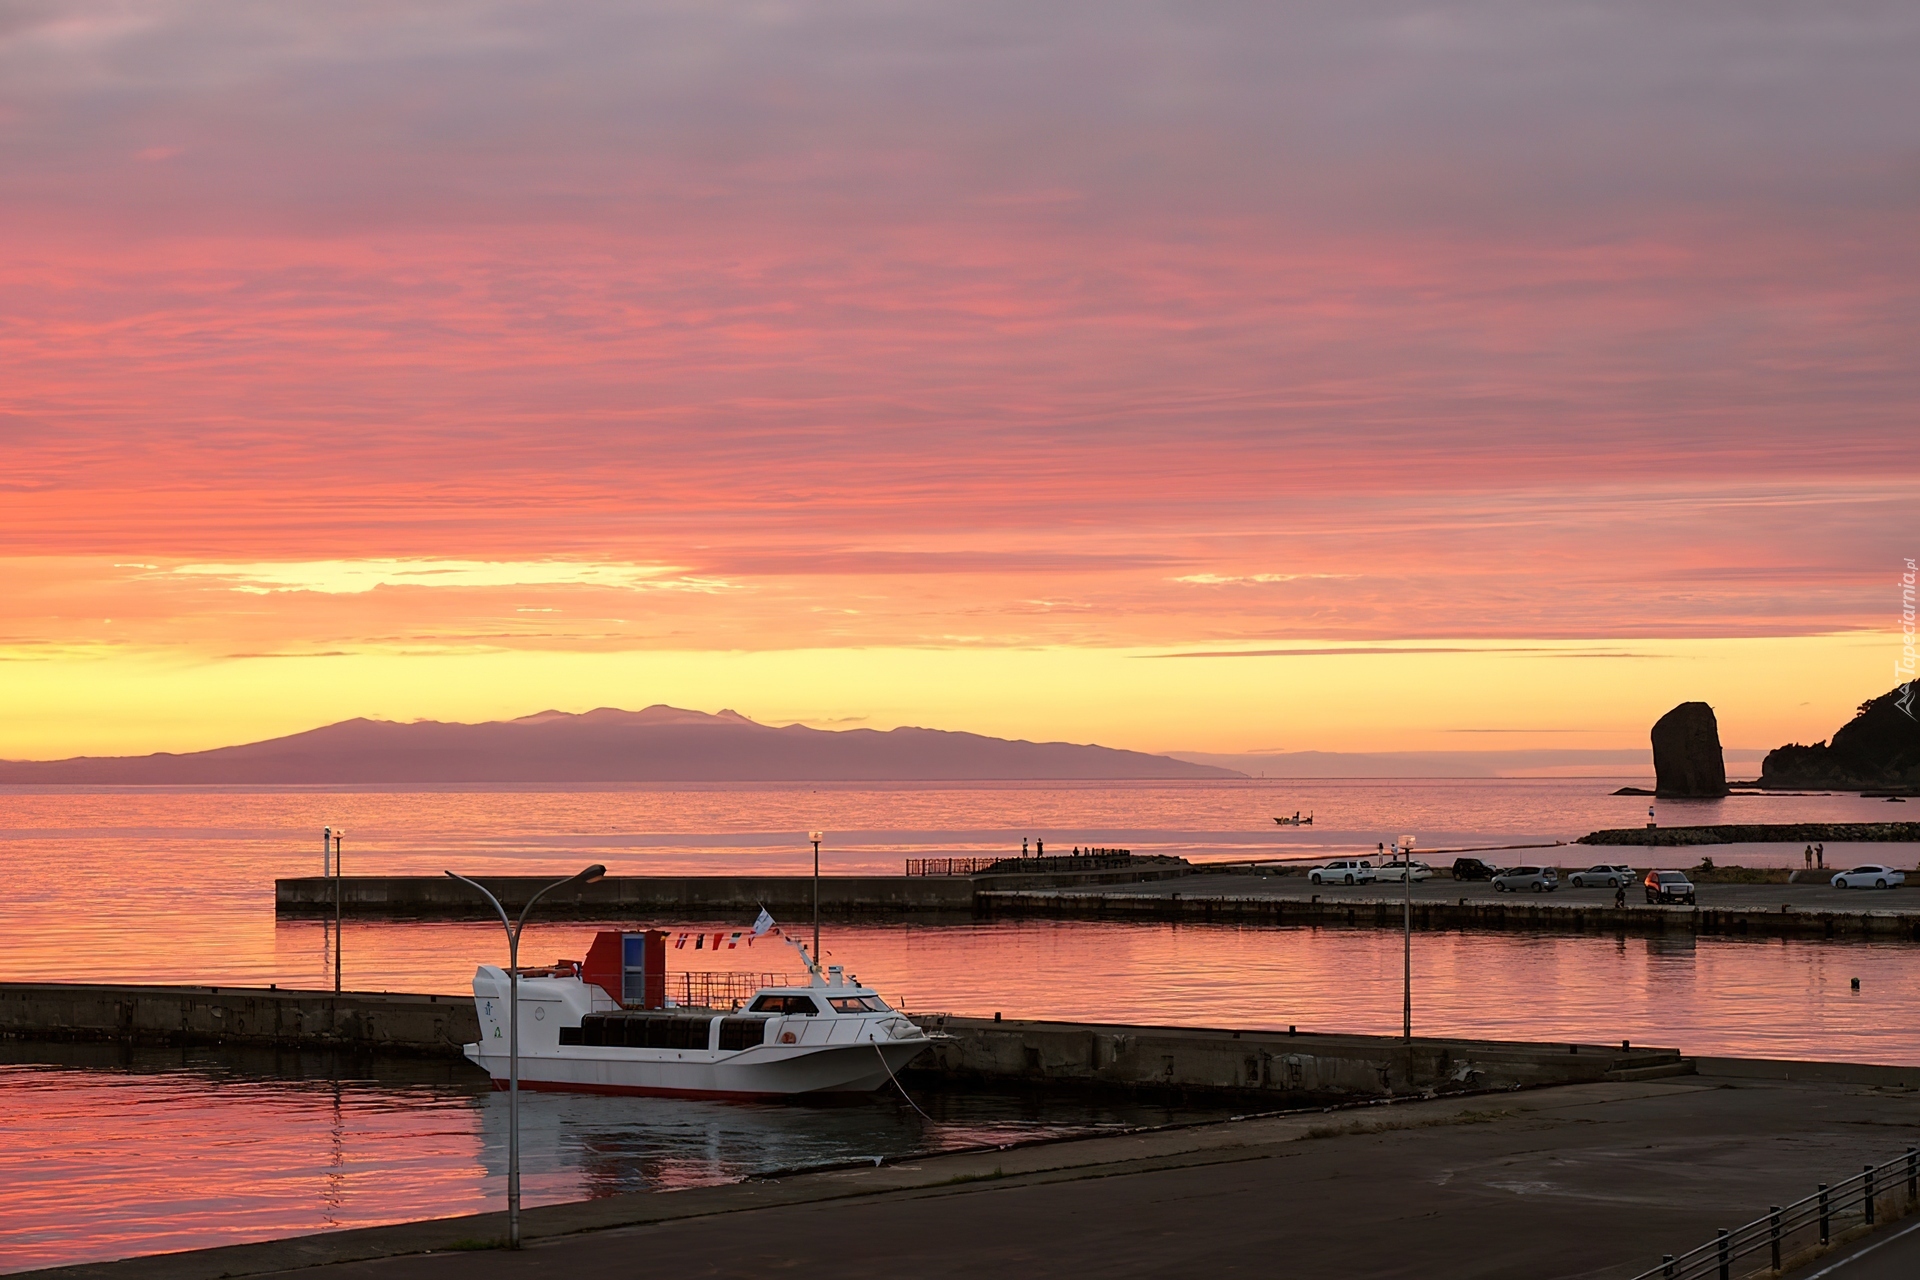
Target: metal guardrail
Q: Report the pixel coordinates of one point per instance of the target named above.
(1771, 1233)
(949, 866)
(1091, 860)
(719, 990)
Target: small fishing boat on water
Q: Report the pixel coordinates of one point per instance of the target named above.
(1296, 820)
(605, 1025)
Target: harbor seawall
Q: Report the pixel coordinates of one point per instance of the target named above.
(1500, 914)
(1299, 1064)
(1055, 1054)
(380, 1022)
(625, 897)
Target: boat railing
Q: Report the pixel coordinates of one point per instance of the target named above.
(719, 989)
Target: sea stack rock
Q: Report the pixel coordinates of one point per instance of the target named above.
(1687, 761)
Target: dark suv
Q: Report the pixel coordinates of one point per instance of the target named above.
(1669, 886)
(1473, 869)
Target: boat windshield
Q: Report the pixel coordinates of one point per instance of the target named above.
(857, 1004)
(784, 1004)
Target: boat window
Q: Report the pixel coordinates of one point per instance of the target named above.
(785, 1004)
(857, 1004)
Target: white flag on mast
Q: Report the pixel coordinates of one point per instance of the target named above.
(762, 923)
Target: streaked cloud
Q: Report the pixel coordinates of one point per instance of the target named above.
(633, 328)
(351, 577)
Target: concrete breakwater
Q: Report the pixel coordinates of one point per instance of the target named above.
(1528, 913)
(682, 897)
(1308, 1065)
(1757, 833)
(363, 1021)
(1081, 1055)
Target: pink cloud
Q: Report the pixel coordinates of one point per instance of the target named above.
(1554, 323)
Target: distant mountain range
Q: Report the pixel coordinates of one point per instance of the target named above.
(659, 744)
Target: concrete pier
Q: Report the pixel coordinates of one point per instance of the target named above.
(1268, 1064)
(378, 1022)
(1765, 910)
(683, 897)
(1296, 1066)
(1170, 892)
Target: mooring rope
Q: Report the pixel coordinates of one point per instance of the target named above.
(896, 1083)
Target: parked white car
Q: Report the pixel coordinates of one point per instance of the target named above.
(1343, 871)
(1603, 876)
(1871, 876)
(1535, 879)
(1396, 871)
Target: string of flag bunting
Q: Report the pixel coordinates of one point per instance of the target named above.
(714, 941)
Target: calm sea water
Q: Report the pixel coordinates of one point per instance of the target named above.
(106, 1152)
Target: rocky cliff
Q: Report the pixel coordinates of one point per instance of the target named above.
(1878, 750)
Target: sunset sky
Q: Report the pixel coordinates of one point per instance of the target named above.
(1223, 377)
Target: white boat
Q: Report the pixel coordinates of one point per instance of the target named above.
(827, 1034)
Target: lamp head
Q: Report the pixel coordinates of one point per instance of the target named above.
(592, 873)
(1406, 842)
(816, 836)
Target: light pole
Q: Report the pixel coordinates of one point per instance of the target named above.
(338, 836)
(1406, 957)
(587, 876)
(816, 837)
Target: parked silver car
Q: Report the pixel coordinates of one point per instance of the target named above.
(1536, 879)
(1603, 876)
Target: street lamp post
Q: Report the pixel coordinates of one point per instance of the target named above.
(816, 837)
(338, 947)
(587, 876)
(1406, 957)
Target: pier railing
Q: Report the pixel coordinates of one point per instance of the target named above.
(1792, 1226)
(1091, 860)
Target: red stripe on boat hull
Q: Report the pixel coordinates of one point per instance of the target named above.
(646, 1091)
